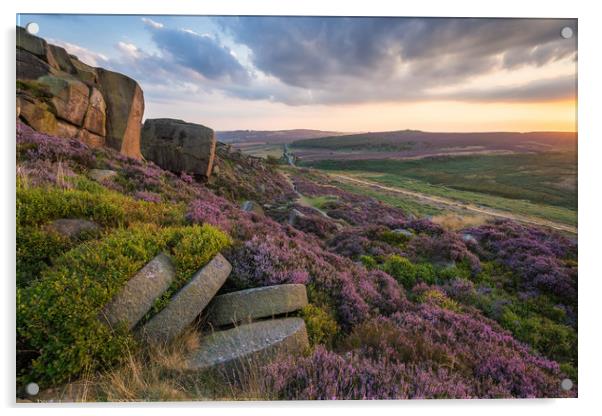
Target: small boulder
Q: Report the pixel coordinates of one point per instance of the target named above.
(252, 206)
(179, 146)
(136, 298)
(294, 216)
(73, 228)
(261, 302)
(469, 238)
(101, 175)
(188, 303)
(246, 347)
(404, 232)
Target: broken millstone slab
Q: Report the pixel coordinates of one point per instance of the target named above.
(246, 347)
(101, 175)
(73, 227)
(138, 295)
(188, 303)
(260, 302)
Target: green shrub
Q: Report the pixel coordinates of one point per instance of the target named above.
(401, 269)
(322, 328)
(58, 315)
(393, 238)
(39, 205)
(440, 299)
(368, 261)
(425, 272)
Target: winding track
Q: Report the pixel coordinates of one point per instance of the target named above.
(455, 204)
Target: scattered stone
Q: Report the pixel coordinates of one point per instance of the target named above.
(101, 175)
(248, 346)
(136, 298)
(179, 146)
(188, 303)
(294, 216)
(261, 302)
(73, 228)
(404, 232)
(252, 206)
(469, 238)
(125, 107)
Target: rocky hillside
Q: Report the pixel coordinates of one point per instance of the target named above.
(355, 299)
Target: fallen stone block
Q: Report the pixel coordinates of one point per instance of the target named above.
(244, 348)
(261, 302)
(138, 295)
(188, 303)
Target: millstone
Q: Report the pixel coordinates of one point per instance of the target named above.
(188, 303)
(246, 347)
(140, 292)
(261, 302)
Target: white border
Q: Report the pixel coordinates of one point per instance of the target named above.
(590, 152)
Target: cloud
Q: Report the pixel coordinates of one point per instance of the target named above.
(343, 60)
(83, 54)
(201, 53)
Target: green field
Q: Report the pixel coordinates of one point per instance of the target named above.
(542, 185)
(263, 150)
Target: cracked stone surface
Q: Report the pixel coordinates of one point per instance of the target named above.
(261, 302)
(188, 303)
(247, 346)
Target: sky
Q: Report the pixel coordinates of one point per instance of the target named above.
(336, 73)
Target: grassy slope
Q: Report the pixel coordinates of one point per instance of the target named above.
(542, 185)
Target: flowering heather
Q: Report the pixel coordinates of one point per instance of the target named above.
(148, 196)
(540, 258)
(422, 352)
(34, 146)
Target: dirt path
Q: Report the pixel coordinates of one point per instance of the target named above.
(450, 202)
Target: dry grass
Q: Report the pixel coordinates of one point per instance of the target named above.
(454, 222)
(157, 374)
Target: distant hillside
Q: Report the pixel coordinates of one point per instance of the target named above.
(273, 136)
(404, 140)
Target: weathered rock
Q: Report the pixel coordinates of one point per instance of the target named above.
(188, 303)
(294, 216)
(248, 346)
(61, 59)
(101, 175)
(37, 115)
(95, 118)
(179, 146)
(31, 43)
(64, 129)
(404, 232)
(91, 139)
(73, 227)
(84, 72)
(261, 302)
(70, 97)
(469, 238)
(252, 206)
(125, 106)
(136, 298)
(30, 67)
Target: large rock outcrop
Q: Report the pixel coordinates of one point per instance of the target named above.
(59, 95)
(179, 146)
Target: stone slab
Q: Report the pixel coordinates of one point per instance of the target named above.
(247, 346)
(261, 302)
(138, 295)
(188, 303)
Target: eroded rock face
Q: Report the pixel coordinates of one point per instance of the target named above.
(179, 146)
(125, 107)
(246, 347)
(260, 302)
(58, 94)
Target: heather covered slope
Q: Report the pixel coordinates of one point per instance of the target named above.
(399, 307)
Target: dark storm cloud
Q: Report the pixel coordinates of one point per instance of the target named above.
(334, 56)
(200, 53)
